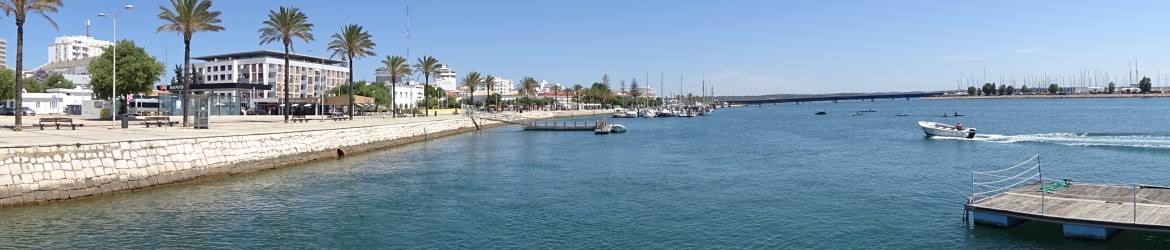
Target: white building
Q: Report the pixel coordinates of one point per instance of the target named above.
(503, 86)
(446, 78)
(311, 76)
(68, 48)
(407, 95)
(53, 102)
(4, 52)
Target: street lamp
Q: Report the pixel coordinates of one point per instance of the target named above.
(321, 94)
(114, 89)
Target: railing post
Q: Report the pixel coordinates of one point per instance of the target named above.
(1135, 203)
(1043, 194)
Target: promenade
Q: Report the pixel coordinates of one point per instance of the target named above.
(99, 131)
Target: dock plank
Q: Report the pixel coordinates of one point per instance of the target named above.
(1105, 204)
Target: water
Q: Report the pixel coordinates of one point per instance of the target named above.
(753, 177)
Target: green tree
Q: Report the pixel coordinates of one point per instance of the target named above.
(7, 83)
(57, 81)
(577, 94)
(988, 89)
(1112, 88)
(1011, 90)
(137, 72)
(605, 79)
(20, 10)
(283, 26)
(972, 90)
(471, 80)
(1145, 85)
(395, 67)
(490, 82)
(528, 86)
(352, 42)
(187, 18)
(623, 89)
(634, 88)
(1002, 89)
(32, 85)
(1025, 90)
(427, 65)
(1053, 89)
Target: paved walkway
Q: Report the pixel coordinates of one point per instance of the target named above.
(96, 131)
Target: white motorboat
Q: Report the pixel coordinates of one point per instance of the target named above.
(617, 128)
(630, 113)
(943, 129)
(619, 113)
(648, 113)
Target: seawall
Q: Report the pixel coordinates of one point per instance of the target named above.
(35, 174)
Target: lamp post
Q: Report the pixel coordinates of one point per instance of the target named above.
(321, 94)
(114, 89)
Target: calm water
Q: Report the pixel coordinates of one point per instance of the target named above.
(753, 177)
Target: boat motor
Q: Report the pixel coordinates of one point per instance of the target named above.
(970, 133)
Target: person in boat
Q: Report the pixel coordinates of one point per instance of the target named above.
(958, 126)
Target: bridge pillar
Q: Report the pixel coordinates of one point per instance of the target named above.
(1088, 232)
(996, 220)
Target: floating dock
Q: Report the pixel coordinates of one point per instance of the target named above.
(1092, 211)
(560, 126)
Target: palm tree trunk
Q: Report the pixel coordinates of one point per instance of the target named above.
(186, 79)
(287, 104)
(351, 87)
(19, 107)
(393, 83)
(426, 98)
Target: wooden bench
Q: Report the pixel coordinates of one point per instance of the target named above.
(338, 117)
(159, 120)
(58, 121)
(300, 118)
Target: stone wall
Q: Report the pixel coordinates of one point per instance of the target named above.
(40, 174)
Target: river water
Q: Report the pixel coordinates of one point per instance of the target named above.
(750, 177)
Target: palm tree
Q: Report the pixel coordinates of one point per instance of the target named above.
(489, 82)
(20, 9)
(471, 80)
(189, 16)
(283, 26)
(577, 94)
(556, 90)
(427, 65)
(528, 86)
(395, 67)
(352, 42)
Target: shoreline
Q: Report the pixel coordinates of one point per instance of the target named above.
(79, 163)
(1150, 95)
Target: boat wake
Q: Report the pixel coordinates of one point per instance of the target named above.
(1082, 139)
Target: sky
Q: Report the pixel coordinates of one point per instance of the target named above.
(739, 47)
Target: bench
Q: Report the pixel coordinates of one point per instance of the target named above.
(58, 121)
(159, 120)
(300, 118)
(338, 117)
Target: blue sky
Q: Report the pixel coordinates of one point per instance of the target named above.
(742, 47)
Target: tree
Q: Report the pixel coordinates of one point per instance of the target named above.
(283, 26)
(7, 83)
(1053, 89)
(605, 79)
(32, 86)
(137, 72)
(1011, 90)
(395, 67)
(634, 88)
(427, 65)
(352, 42)
(471, 80)
(528, 86)
(1112, 87)
(20, 9)
(988, 89)
(1145, 85)
(972, 90)
(623, 89)
(1025, 90)
(188, 17)
(490, 81)
(57, 81)
(577, 94)
(1002, 89)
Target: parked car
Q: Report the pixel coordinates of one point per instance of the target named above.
(12, 111)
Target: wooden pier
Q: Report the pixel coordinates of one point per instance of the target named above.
(1093, 211)
(560, 126)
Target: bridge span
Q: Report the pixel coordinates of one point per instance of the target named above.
(835, 97)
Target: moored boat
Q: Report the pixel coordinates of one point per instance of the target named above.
(820, 112)
(619, 113)
(617, 128)
(947, 130)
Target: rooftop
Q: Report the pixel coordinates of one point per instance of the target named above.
(267, 53)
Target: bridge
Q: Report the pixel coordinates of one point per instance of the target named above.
(834, 97)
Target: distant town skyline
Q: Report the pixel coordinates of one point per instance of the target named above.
(741, 47)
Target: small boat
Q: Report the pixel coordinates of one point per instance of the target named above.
(957, 114)
(619, 113)
(820, 112)
(617, 128)
(856, 114)
(901, 114)
(630, 113)
(869, 110)
(947, 130)
(647, 113)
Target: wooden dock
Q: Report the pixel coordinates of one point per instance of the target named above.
(1093, 211)
(560, 126)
